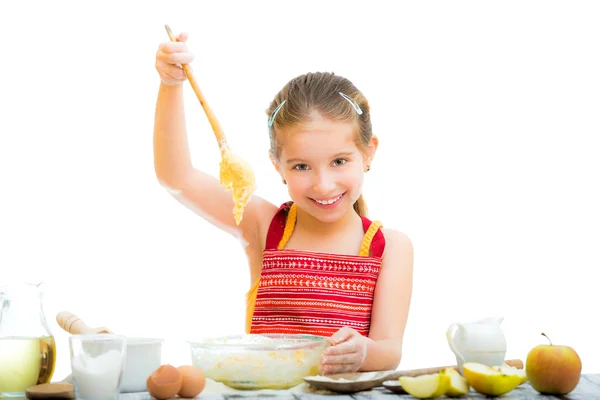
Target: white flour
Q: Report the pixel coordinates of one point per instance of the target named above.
(213, 387)
(97, 378)
(365, 376)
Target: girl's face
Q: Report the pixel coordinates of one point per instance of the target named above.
(323, 166)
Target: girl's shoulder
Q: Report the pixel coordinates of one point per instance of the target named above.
(397, 244)
(259, 215)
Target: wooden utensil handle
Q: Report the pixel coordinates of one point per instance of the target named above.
(209, 114)
(74, 325)
(435, 370)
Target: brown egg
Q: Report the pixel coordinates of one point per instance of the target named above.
(164, 383)
(193, 381)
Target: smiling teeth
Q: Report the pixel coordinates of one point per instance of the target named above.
(327, 202)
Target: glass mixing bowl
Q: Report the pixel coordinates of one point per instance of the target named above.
(259, 361)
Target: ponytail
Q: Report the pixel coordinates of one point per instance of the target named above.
(360, 206)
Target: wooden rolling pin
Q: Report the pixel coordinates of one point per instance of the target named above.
(75, 326)
(435, 370)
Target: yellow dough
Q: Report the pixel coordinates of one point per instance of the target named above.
(237, 174)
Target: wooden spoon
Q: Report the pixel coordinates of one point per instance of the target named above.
(355, 382)
(235, 173)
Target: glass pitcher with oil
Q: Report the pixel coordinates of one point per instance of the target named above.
(27, 347)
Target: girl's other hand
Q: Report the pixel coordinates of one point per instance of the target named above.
(169, 58)
(347, 352)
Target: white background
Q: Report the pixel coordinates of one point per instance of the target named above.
(487, 114)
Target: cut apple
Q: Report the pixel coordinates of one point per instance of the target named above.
(508, 370)
(491, 381)
(458, 384)
(426, 386)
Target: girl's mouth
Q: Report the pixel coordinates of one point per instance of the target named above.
(327, 203)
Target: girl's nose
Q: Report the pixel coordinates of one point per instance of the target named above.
(324, 184)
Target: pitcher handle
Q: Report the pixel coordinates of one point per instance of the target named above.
(450, 336)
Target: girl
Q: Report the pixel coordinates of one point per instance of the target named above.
(318, 264)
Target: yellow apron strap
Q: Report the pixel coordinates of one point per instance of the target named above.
(290, 223)
(250, 303)
(365, 247)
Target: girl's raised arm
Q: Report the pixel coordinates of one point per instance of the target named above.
(196, 189)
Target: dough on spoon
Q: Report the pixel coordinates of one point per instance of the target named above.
(237, 174)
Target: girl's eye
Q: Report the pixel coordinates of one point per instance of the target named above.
(301, 167)
(339, 162)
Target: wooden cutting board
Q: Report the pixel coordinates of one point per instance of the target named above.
(51, 391)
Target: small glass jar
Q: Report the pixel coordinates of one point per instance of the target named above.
(27, 346)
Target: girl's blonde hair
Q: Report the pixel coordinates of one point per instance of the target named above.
(320, 92)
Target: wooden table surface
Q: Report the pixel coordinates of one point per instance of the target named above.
(588, 389)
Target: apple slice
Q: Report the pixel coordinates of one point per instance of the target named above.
(508, 370)
(458, 384)
(490, 381)
(426, 386)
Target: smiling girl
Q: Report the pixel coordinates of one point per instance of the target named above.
(317, 264)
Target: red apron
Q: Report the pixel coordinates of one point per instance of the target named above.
(306, 292)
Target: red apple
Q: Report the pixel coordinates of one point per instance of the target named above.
(553, 369)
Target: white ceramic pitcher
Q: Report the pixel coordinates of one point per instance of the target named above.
(481, 341)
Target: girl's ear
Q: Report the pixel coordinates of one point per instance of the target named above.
(275, 164)
(372, 149)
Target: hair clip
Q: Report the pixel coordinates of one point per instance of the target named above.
(272, 118)
(353, 103)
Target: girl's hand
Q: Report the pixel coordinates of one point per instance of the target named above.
(347, 352)
(169, 58)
